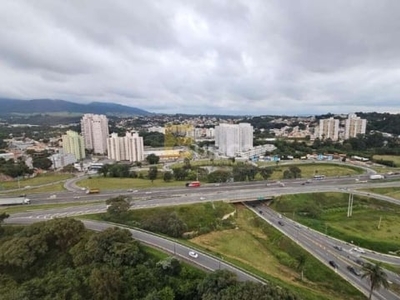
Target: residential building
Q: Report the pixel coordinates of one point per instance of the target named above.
(61, 160)
(232, 139)
(353, 126)
(73, 143)
(328, 129)
(130, 147)
(95, 132)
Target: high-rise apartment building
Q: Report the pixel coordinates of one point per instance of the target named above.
(232, 139)
(95, 132)
(353, 126)
(328, 129)
(130, 147)
(73, 143)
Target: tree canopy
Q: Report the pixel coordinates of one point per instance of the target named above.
(60, 259)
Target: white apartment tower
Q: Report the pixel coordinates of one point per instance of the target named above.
(328, 129)
(232, 139)
(353, 126)
(130, 147)
(73, 143)
(95, 132)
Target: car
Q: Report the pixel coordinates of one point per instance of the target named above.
(202, 198)
(359, 250)
(339, 248)
(260, 211)
(279, 216)
(303, 183)
(360, 262)
(333, 264)
(76, 197)
(193, 254)
(353, 270)
(281, 223)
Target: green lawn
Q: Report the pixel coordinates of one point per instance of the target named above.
(393, 192)
(38, 180)
(23, 208)
(57, 187)
(106, 183)
(327, 213)
(309, 170)
(394, 158)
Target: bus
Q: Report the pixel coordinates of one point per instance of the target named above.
(193, 184)
(319, 177)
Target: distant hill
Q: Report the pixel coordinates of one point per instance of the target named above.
(13, 106)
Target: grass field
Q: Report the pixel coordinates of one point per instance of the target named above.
(391, 192)
(31, 207)
(394, 158)
(106, 183)
(327, 213)
(38, 180)
(309, 170)
(256, 246)
(57, 187)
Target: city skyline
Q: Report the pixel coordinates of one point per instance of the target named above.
(228, 58)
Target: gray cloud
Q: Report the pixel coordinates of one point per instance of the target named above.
(228, 57)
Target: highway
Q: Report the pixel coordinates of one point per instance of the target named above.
(319, 245)
(323, 248)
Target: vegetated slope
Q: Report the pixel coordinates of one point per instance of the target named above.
(59, 259)
(9, 106)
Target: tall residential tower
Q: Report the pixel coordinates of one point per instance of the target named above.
(354, 125)
(328, 129)
(73, 143)
(95, 132)
(232, 139)
(130, 147)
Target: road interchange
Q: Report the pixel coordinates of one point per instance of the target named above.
(318, 244)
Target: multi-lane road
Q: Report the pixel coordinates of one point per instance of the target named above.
(319, 245)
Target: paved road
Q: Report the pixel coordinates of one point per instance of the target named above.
(203, 260)
(322, 247)
(319, 245)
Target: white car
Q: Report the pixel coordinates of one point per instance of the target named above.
(193, 254)
(359, 250)
(202, 198)
(76, 197)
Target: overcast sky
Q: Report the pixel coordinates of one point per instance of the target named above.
(225, 57)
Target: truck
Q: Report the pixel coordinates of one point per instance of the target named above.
(14, 201)
(376, 176)
(193, 184)
(92, 191)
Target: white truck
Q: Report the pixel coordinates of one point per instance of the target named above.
(376, 176)
(14, 201)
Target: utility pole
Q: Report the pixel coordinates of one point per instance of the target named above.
(350, 206)
(380, 221)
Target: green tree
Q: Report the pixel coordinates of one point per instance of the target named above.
(180, 173)
(266, 172)
(168, 176)
(104, 170)
(105, 283)
(153, 171)
(296, 171)
(117, 207)
(376, 276)
(301, 262)
(41, 163)
(219, 176)
(152, 159)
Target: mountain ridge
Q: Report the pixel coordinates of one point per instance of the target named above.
(12, 106)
